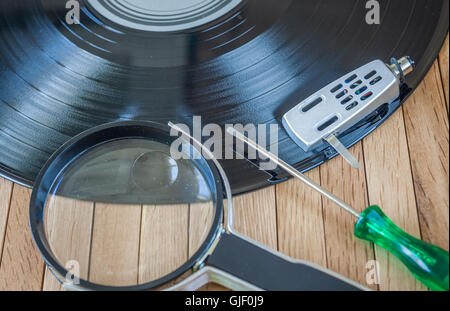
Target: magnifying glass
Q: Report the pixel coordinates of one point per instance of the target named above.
(114, 209)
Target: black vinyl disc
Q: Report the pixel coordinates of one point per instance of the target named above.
(251, 62)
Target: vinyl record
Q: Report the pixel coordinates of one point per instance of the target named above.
(229, 61)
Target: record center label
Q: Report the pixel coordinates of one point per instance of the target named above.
(162, 15)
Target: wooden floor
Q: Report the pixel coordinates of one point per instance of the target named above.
(405, 170)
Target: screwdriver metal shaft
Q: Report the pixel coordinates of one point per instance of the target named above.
(288, 168)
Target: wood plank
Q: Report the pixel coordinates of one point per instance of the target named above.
(443, 64)
(51, 283)
(300, 220)
(164, 240)
(347, 255)
(255, 216)
(428, 139)
(5, 199)
(115, 244)
(201, 216)
(69, 228)
(22, 267)
(390, 185)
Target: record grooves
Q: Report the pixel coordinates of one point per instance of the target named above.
(251, 64)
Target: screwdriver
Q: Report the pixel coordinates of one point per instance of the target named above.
(427, 262)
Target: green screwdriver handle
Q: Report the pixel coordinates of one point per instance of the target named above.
(428, 263)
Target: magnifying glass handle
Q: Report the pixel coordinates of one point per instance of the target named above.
(270, 270)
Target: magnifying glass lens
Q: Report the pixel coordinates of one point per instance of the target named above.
(126, 212)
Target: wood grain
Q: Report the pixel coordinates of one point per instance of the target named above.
(347, 254)
(255, 216)
(300, 220)
(5, 199)
(427, 128)
(443, 64)
(22, 267)
(69, 230)
(390, 185)
(115, 244)
(164, 240)
(201, 216)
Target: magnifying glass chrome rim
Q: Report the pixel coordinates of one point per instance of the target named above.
(86, 141)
